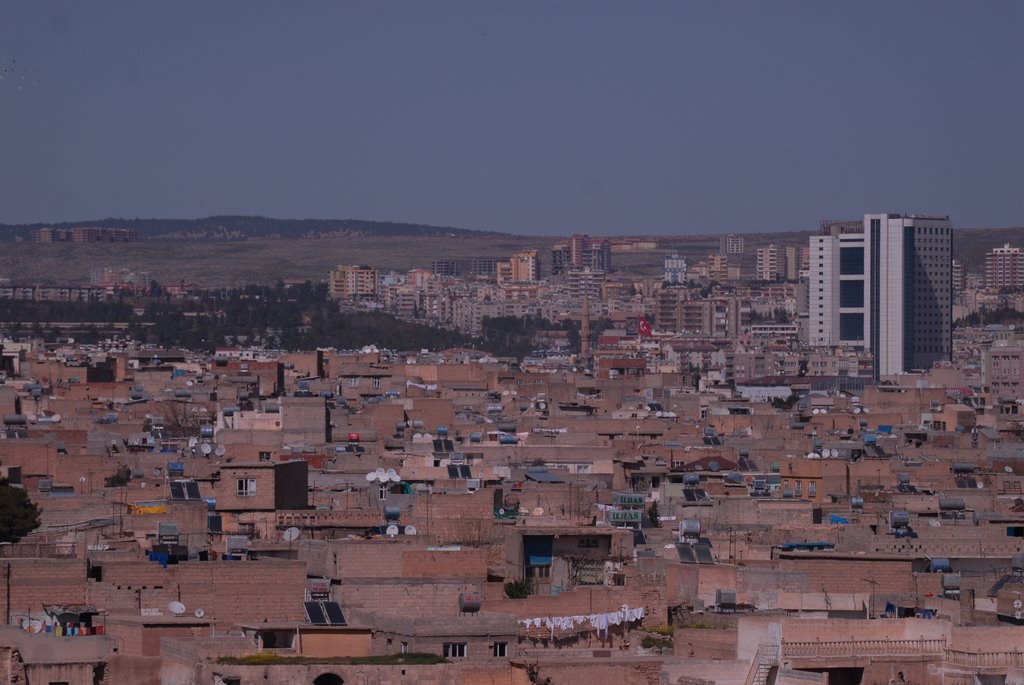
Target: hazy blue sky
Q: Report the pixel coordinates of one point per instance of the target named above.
(533, 117)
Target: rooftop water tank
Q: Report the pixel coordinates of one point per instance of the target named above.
(469, 602)
(952, 504)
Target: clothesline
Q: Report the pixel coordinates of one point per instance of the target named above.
(599, 621)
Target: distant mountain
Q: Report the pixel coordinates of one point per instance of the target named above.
(223, 228)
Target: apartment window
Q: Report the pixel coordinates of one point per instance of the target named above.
(264, 456)
(376, 384)
(404, 649)
(499, 649)
(454, 650)
(812, 489)
(588, 543)
(246, 487)
(799, 488)
(353, 382)
(382, 492)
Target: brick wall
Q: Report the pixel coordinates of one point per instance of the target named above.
(35, 582)
(229, 592)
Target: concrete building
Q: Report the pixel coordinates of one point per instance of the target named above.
(718, 268)
(581, 252)
(730, 244)
(585, 281)
(769, 266)
(353, 283)
(794, 262)
(444, 267)
(1004, 267)
(885, 285)
(674, 269)
(959, 277)
(482, 266)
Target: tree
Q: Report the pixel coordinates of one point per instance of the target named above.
(518, 589)
(652, 513)
(120, 478)
(18, 514)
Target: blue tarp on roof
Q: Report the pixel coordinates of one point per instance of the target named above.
(885, 429)
(542, 476)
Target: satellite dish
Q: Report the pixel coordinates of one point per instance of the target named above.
(381, 474)
(220, 451)
(291, 534)
(192, 442)
(35, 626)
(812, 455)
(82, 479)
(392, 531)
(371, 476)
(200, 613)
(206, 448)
(815, 411)
(1008, 469)
(539, 511)
(856, 410)
(176, 608)
(835, 453)
(410, 530)
(56, 418)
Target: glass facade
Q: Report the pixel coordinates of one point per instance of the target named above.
(851, 293)
(851, 261)
(851, 326)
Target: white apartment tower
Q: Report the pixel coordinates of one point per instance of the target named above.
(884, 285)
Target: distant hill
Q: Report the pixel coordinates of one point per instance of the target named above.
(222, 228)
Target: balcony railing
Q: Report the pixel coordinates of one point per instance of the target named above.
(937, 647)
(830, 648)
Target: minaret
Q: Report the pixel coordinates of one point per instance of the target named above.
(585, 330)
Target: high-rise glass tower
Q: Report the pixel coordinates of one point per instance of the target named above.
(884, 285)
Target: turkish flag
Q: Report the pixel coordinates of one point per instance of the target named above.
(643, 327)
